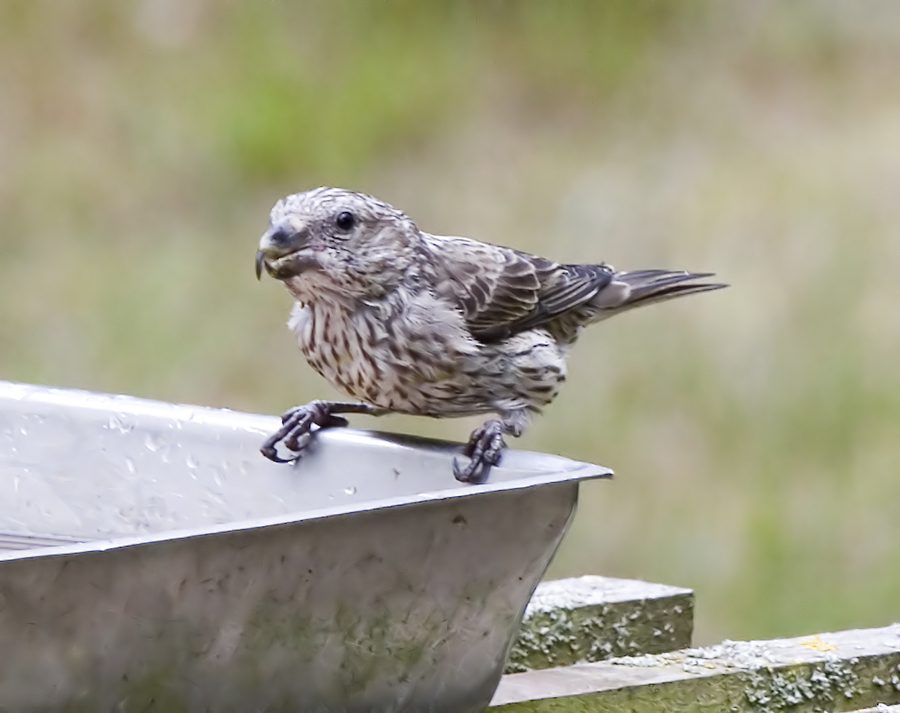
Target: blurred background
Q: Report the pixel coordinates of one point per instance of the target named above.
(754, 431)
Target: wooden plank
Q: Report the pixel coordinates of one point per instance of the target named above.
(593, 618)
(840, 671)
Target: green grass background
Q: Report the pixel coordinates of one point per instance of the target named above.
(755, 432)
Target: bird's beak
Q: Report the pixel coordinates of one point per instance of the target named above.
(277, 245)
(259, 263)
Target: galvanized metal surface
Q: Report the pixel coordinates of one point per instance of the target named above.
(204, 578)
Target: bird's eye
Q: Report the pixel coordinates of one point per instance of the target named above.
(345, 220)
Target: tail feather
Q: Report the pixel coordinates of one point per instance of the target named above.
(643, 287)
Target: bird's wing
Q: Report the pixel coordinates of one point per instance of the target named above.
(503, 291)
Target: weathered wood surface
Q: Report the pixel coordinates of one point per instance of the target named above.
(592, 618)
(841, 671)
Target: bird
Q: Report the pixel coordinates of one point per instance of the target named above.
(403, 321)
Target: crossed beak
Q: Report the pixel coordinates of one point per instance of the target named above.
(260, 258)
(277, 242)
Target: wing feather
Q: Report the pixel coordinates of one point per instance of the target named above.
(503, 291)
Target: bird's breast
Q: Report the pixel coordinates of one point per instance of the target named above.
(395, 359)
(418, 358)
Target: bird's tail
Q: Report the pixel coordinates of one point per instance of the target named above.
(643, 287)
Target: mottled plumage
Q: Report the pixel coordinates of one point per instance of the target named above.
(409, 322)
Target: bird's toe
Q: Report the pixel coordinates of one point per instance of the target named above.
(472, 472)
(484, 449)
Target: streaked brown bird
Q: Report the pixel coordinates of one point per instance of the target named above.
(430, 325)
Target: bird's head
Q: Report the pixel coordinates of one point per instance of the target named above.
(334, 242)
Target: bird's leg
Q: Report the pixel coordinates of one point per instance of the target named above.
(297, 422)
(484, 449)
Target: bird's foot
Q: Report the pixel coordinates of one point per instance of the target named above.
(297, 423)
(484, 449)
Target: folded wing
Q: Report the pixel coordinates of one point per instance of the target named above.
(503, 291)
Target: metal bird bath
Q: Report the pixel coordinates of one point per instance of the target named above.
(152, 560)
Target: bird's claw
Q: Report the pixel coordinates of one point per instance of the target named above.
(484, 449)
(296, 424)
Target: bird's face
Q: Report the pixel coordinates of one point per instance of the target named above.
(330, 240)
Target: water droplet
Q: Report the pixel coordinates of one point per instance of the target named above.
(154, 442)
(23, 430)
(119, 423)
(351, 490)
(191, 462)
(129, 464)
